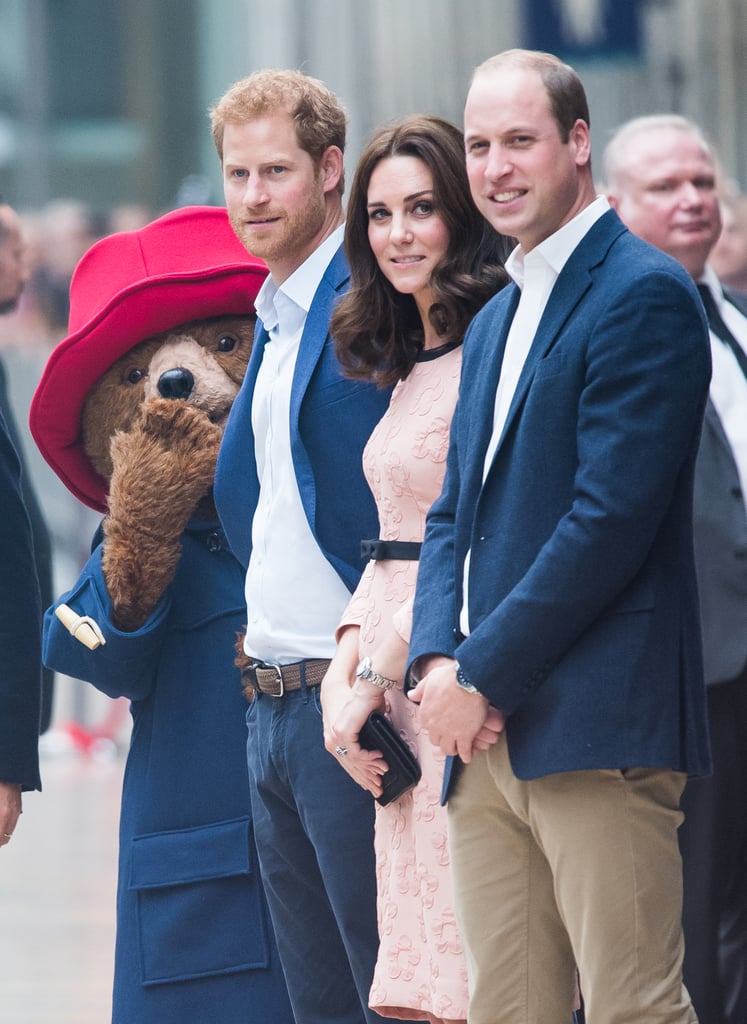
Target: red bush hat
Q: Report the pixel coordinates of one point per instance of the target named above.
(187, 265)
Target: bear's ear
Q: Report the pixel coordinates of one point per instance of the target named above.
(114, 402)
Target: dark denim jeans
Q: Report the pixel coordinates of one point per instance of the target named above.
(314, 831)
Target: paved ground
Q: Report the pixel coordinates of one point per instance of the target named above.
(57, 888)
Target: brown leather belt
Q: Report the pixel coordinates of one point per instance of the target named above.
(277, 680)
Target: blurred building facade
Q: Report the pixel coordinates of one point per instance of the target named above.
(106, 100)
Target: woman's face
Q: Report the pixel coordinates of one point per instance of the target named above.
(405, 230)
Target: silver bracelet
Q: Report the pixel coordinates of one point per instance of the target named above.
(365, 671)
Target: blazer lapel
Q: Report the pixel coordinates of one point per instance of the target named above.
(712, 419)
(315, 331)
(241, 424)
(479, 393)
(572, 284)
(236, 483)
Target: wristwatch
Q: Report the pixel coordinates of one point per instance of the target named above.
(365, 671)
(463, 681)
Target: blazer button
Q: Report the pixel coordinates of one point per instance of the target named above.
(214, 542)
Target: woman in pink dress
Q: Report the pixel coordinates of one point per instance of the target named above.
(423, 261)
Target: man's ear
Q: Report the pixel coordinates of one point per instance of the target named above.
(331, 167)
(581, 140)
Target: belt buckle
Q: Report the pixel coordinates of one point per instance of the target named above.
(265, 665)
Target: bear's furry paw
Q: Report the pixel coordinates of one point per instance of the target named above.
(163, 467)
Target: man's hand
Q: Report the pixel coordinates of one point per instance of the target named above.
(491, 730)
(452, 717)
(10, 810)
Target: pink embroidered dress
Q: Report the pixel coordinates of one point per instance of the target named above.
(420, 968)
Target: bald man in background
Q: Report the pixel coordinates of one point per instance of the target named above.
(660, 176)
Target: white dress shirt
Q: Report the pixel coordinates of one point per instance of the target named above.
(294, 597)
(535, 273)
(728, 382)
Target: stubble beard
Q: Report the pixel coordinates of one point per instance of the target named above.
(288, 236)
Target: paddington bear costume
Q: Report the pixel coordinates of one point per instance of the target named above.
(194, 942)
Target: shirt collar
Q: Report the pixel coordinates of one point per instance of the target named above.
(557, 248)
(301, 286)
(713, 284)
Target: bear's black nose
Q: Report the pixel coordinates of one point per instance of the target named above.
(176, 383)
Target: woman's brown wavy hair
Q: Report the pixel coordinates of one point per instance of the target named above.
(378, 332)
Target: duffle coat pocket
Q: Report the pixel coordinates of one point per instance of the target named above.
(200, 910)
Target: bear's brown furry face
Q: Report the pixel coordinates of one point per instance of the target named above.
(202, 363)
(152, 427)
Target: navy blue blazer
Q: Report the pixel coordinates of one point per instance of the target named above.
(20, 630)
(582, 596)
(331, 418)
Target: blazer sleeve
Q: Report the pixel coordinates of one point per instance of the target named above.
(20, 631)
(435, 611)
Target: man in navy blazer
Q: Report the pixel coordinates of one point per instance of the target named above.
(661, 176)
(557, 582)
(20, 646)
(294, 504)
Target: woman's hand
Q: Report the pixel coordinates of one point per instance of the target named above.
(346, 704)
(364, 766)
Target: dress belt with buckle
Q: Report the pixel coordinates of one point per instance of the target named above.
(396, 550)
(276, 680)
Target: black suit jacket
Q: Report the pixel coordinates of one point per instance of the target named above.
(20, 630)
(40, 536)
(720, 526)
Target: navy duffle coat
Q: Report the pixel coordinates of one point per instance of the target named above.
(194, 940)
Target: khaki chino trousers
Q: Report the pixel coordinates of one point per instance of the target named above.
(574, 869)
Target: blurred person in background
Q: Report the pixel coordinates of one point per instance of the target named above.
(729, 255)
(66, 228)
(13, 279)
(20, 609)
(661, 177)
(129, 217)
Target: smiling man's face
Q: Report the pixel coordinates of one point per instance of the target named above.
(524, 178)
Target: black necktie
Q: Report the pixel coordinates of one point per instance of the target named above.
(719, 328)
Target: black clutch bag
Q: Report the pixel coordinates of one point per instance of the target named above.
(404, 771)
